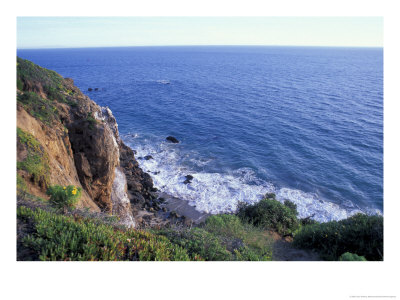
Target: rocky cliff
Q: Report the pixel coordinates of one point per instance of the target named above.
(64, 138)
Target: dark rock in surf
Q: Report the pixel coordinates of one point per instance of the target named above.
(172, 139)
(188, 179)
(90, 89)
(148, 157)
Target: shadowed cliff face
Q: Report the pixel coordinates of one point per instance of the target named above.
(96, 156)
(80, 141)
(140, 184)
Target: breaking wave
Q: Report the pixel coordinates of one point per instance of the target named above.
(220, 192)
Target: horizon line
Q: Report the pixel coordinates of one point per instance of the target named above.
(200, 45)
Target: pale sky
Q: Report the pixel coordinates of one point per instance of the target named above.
(76, 32)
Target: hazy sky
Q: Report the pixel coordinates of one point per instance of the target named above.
(62, 32)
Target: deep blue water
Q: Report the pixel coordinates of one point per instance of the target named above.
(306, 123)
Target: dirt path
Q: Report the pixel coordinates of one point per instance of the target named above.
(282, 250)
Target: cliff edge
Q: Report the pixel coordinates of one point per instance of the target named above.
(65, 138)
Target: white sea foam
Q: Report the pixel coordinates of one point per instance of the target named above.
(163, 81)
(221, 192)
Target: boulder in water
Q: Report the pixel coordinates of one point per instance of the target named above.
(148, 157)
(172, 139)
(188, 179)
(90, 89)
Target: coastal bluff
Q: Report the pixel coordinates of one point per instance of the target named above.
(76, 143)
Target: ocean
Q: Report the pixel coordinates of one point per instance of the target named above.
(303, 122)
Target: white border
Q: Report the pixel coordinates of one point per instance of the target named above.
(271, 280)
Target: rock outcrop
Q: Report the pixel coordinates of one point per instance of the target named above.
(81, 142)
(56, 144)
(96, 154)
(172, 139)
(140, 184)
(188, 179)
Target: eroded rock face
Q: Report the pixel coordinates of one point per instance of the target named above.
(83, 146)
(121, 205)
(56, 145)
(107, 116)
(96, 156)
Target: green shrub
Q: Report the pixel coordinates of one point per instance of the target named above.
(225, 225)
(359, 234)
(292, 206)
(270, 214)
(64, 197)
(36, 161)
(58, 237)
(270, 196)
(308, 221)
(351, 257)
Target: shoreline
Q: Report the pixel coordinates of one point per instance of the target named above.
(182, 207)
(309, 205)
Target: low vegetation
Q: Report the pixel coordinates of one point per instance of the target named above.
(36, 161)
(29, 73)
(39, 89)
(56, 234)
(198, 243)
(70, 235)
(40, 108)
(231, 227)
(359, 234)
(21, 185)
(57, 237)
(222, 238)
